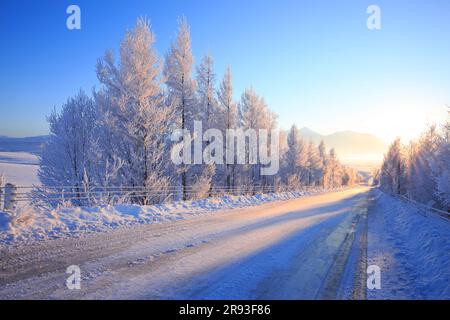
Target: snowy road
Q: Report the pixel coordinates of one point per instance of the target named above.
(303, 248)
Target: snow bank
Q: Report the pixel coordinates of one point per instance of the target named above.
(31, 225)
(411, 247)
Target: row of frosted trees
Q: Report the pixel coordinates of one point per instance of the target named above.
(304, 164)
(117, 142)
(421, 169)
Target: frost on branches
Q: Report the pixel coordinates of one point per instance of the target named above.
(420, 170)
(115, 146)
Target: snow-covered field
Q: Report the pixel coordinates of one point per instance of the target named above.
(19, 168)
(411, 247)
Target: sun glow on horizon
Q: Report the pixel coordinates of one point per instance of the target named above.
(406, 117)
(390, 118)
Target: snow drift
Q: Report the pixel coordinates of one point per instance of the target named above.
(412, 247)
(32, 224)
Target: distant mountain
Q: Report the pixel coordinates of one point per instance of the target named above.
(28, 144)
(350, 145)
(311, 135)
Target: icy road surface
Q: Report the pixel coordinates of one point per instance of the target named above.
(305, 248)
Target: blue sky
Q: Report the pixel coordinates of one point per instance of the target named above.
(315, 62)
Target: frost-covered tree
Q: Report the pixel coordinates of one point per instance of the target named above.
(68, 164)
(206, 93)
(314, 165)
(255, 114)
(121, 137)
(178, 72)
(209, 113)
(333, 171)
(296, 158)
(322, 152)
(442, 175)
(2, 183)
(308, 165)
(135, 114)
(229, 118)
(393, 170)
(441, 169)
(349, 176)
(323, 156)
(421, 159)
(421, 170)
(281, 177)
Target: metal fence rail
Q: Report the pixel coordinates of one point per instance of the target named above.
(113, 194)
(440, 213)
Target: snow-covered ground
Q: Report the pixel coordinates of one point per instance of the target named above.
(279, 249)
(286, 246)
(30, 224)
(412, 249)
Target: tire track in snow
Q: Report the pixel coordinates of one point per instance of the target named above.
(162, 260)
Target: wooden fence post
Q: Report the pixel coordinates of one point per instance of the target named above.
(10, 197)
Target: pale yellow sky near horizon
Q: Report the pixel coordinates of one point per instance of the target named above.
(397, 117)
